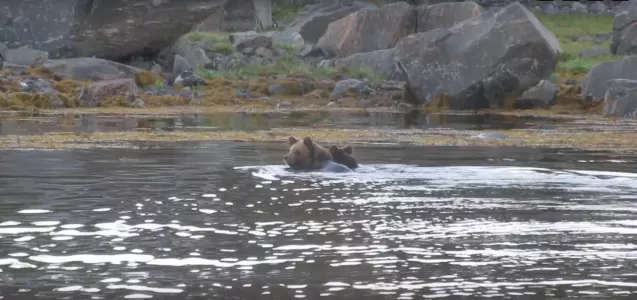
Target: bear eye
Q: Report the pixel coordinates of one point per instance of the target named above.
(297, 152)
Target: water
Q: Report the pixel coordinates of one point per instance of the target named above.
(226, 221)
(20, 123)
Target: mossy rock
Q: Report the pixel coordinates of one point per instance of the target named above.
(318, 94)
(27, 100)
(291, 87)
(439, 102)
(148, 78)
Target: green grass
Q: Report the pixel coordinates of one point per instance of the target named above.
(220, 41)
(215, 37)
(568, 25)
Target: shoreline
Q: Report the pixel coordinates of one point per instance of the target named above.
(617, 142)
(211, 110)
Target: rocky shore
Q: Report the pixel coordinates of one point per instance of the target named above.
(461, 56)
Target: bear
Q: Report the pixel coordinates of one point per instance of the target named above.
(344, 156)
(307, 155)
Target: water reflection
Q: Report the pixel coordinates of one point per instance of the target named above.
(224, 220)
(26, 124)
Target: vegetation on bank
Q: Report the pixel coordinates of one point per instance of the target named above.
(577, 32)
(286, 63)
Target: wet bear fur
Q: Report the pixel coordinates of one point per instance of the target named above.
(306, 155)
(344, 156)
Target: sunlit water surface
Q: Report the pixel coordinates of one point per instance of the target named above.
(228, 221)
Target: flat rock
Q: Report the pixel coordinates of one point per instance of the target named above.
(88, 68)
(596, 82)
(539, 96)
(26, 56)
(594, 52)
(481, 61)
(244, 40)
(368, 30)
(312, 20)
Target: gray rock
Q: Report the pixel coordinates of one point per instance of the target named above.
(596, 82)
(598, 8)
(288, 38)
(189, 78)
(41, 86)
(285, 103)
(111, 29)
(266, 53)
(239, 15)
(276, 89)
(180, 65)
(539, 96)
(244, 40)
(445, 15)
(594, 52)
(368, 30)
(138, 103)
(88, 68)
(492, 135)
(195, 56)
(312, 20)
(579, 7)
(26, 56)
(480, 61)
(550, 9)
(380, 62)
(621, 98)
(93, 94)
(624, 35)
(325, 63)
(343, 87)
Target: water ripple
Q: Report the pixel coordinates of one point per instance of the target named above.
(177, 225)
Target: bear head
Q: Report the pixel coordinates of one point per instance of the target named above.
(305, 154)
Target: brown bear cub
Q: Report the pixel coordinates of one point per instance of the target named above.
(344, 156)
(305, 154)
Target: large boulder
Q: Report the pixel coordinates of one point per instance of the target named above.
(597, 80)
(621, 98)
(369, 30)
(624, 37)
(42, 25)
(111, 29)
(445, 15)
(480, 62)
(312, 20)
(239, 15)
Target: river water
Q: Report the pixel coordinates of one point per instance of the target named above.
(222, 220)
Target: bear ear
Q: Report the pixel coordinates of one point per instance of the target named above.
(292, 140)
(308, 142)
(333, 149)
(348, 149)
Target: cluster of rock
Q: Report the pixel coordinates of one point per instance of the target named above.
(458, 53)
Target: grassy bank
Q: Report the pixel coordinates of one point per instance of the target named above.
(569, 29)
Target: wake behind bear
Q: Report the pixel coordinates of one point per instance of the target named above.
(306, 155)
